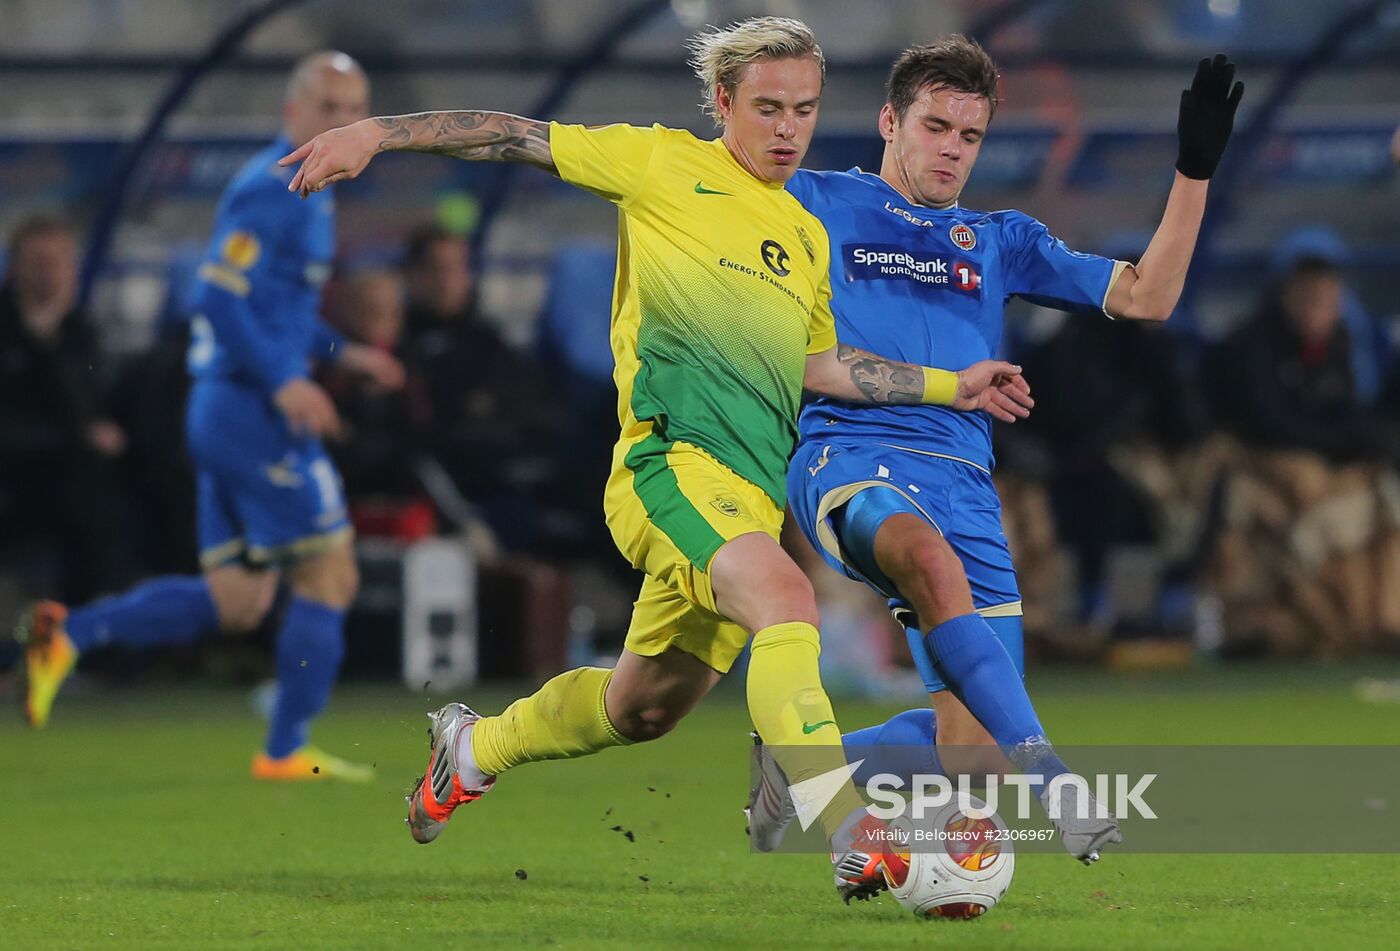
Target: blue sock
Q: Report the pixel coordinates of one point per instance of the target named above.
(310, 644)
(980, 672)
(170, 610)
(902, 745)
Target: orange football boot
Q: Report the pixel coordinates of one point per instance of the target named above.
(49, 657)
(309, 764)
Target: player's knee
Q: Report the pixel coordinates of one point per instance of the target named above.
(929, 564)
(927, 556)
(348, 582)
(788, 596)
(332, 578)
(242, 603)
(643, 722)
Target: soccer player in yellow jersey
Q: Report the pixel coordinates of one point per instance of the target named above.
(721, 315)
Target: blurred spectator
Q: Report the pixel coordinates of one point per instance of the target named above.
(498, 420)
(441, 287)
(1114, 410)
(148, 400)
(384, 430)
(1285, 380)
(1368, 339)
(56, 444)
(1310, 557)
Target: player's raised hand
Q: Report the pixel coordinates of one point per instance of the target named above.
(996, 387)
(332, 157)
(1207, 117)
(308, 409)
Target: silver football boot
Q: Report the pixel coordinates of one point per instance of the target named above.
(771, 810)
(440, 790)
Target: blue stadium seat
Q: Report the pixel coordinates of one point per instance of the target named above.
(181, 275)
(573, 328)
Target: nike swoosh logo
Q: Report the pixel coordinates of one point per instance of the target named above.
(808, 728)
(700, 189)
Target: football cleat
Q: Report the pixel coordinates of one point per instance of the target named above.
(49, 657)
(309, 764)
(859, 869)
(770, 810)
(440, 790)
(1081, 837)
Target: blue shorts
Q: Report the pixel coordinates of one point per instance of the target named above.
(265, 496)
(957, 498)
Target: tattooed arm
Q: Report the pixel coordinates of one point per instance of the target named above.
(472, 135)
(859, 376)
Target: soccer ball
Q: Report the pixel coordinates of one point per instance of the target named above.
(954, 867)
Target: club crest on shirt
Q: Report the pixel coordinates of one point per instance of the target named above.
(963, 237)
(726, 506)
(241, 250)
(807, 244)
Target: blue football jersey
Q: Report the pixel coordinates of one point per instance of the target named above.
(929, 287)
(257, 304)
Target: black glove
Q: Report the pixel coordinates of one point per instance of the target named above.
(1206, 118)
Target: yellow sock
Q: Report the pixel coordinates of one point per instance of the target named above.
(793, 713)
(563, 719)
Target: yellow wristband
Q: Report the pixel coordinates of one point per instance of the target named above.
(940, 386)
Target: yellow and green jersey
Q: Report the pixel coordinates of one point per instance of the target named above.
(722, 291)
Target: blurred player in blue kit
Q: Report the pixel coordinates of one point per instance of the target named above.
(901, 497)
(269, 498)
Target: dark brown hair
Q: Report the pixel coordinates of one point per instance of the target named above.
(421, 240)
(37, 226)
(954, 62)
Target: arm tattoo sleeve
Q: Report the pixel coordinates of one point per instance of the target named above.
(880, 380)
(474, 136)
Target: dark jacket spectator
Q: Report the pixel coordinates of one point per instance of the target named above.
(56, 445)
(1284, 380)
(384, 431)
(498, 419)
(1108, 395)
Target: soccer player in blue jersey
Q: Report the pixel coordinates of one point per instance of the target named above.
(901, 497)
(269, 499)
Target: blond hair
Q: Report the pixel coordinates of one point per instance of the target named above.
(719, 55)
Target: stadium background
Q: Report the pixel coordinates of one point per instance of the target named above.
(126, 119)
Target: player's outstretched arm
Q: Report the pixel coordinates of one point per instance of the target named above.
(858, 376)
(472, 135)
(1151, 289)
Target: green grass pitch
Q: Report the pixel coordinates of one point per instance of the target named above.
(131, 823)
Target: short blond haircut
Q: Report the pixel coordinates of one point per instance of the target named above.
(719, 55)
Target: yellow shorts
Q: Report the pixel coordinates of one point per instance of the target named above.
(670, 506)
